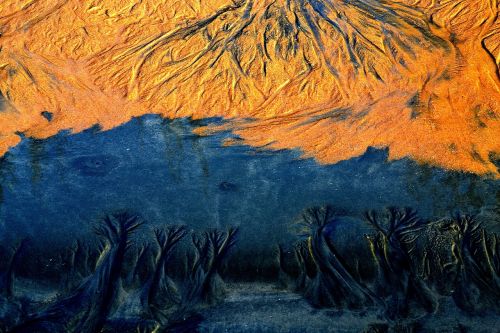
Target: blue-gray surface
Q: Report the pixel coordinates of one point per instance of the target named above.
(55, 189)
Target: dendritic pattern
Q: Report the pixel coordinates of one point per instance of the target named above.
(328, 77)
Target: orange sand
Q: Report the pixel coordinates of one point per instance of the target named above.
(329, 77)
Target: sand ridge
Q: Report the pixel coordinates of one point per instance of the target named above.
(328, 77)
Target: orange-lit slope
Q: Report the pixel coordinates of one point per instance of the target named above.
(330, 77)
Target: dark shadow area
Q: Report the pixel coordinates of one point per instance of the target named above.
(213, 217)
